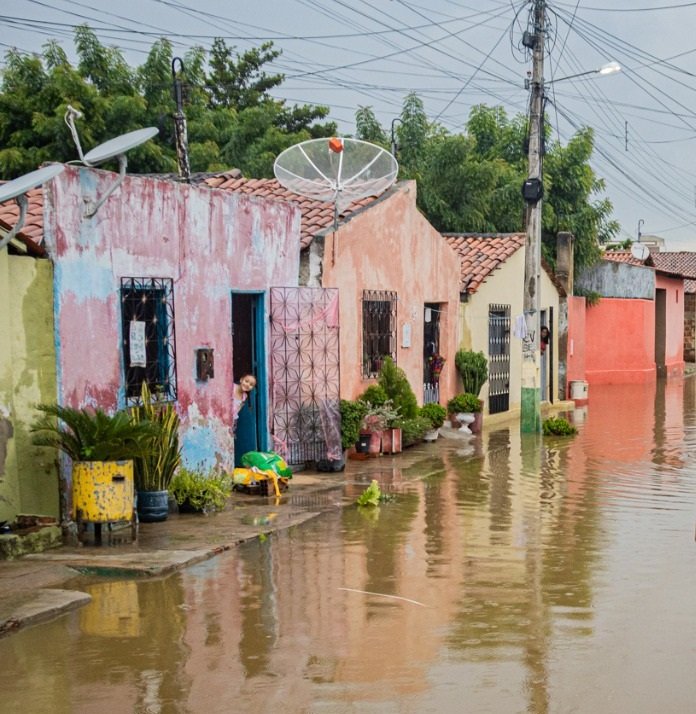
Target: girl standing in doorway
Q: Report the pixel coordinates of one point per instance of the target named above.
(240, 393)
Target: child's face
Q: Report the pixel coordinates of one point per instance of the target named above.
(247, 383)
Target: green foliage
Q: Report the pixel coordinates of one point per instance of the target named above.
(592, 297)
(368, 128)
(371, 495)
(434, 413)
(380, 417)
(352, 414)
(464, 403)
(233, 121)
(395, 383)
(154, 470)
(204, 492)
(473, 370)
(413, 430)
(375, 395)
(558, 426)
(86, 435)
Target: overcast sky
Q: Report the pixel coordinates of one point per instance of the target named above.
(454, 54)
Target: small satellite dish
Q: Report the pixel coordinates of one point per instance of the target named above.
(336, 170)
(116, 147)
(17, 189)
(640, 251)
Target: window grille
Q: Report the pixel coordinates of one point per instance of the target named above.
(147, 331)
(379, 329)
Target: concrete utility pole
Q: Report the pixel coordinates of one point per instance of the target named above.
(180, 130)
(530, 418)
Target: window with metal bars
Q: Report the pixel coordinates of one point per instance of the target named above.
(147, 331)
(379, 329)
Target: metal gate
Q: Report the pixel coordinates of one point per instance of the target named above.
(498, 358)
(306, 423)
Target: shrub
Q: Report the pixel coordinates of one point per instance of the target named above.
(464, 403)
(395, 383)
(204, 492)
(379, 418)
(413, 430)
(558, 426)
(473, 370)
(352, 414)
(435, 413)
(375, 395)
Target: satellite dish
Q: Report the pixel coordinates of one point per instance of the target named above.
(336, 170)
(640, 251)
(17, 189)
(119, 146)
(116, 147)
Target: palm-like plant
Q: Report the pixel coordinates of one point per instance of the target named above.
(155, 469)
(86, 435)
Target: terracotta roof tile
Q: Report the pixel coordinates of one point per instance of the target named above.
(481, 253)
(625, 256)
(31, 233)
(681, 262)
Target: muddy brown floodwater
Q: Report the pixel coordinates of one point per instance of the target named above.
(508, 574)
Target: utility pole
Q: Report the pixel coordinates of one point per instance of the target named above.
(530, 417)
(180, 130)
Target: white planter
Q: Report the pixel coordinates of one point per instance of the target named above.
(465, 419)
(431, 435)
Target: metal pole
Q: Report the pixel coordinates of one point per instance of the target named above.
(180, 124)
(530, 417)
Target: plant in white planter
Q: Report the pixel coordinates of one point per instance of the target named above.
(435, 414)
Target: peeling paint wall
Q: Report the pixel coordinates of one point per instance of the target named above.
(391, 246)
(28, 474)
(208, 242)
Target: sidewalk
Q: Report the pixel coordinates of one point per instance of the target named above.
(35, 587)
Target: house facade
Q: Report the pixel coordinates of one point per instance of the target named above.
(397, 283)
(168, 283)
(492, 315)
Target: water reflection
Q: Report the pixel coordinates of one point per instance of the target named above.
(510, 574)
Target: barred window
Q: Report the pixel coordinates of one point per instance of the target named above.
(147, 330)
(379, 329)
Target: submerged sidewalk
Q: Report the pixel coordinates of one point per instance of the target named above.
(36, 587)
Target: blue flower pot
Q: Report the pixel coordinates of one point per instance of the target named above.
(152, 506)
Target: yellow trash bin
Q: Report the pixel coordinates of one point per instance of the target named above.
(103, 491)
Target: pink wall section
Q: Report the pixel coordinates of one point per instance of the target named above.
(674, 323)
(209, 242)
(391, 246)
(576, 340)
(620, 343)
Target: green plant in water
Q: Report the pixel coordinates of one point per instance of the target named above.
(93, 435)
(371, 495)
(473, 370)
(155, 470)
(558, 426)
(413, 430)
(204, 492)
(434, 413)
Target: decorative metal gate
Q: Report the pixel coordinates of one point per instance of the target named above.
(498, 358)
(306, 423)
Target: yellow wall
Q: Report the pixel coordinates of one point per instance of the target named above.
(28, 474)
(505, 286)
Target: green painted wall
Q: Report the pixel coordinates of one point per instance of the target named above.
(28, 474)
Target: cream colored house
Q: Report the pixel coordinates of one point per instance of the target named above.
(491, 315)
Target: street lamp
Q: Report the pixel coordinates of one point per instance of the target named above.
(533, 191)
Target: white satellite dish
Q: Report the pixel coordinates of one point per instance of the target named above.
(336, 170)
(17, 189)
(117, 147)
(640, 251)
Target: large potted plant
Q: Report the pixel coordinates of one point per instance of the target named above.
(155, 468)
(199, 492)
(376, 421)
(464, 403)
(102, 449)
(472, 368)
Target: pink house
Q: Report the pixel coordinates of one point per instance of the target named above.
(168, 283)
(635, 332)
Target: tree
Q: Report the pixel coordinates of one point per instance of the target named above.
(368, 128)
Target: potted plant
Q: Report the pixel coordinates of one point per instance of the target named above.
(464, 403)
(376, 420)
(198, 492)
(435, 414)
(102, 449)
(473, 370)
(155, 469)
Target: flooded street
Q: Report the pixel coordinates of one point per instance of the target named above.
(508, 574)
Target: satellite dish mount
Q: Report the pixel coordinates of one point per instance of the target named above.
(117, 147)
(17, 189)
